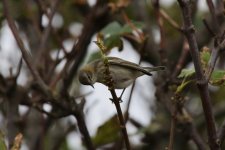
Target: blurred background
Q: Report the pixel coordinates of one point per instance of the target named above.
(58, 37)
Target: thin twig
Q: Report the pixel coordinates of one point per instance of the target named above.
(43, 8)
(160, 24)
(143, 41)
(115, 99)
(83, 129)
(19, 68)
(31, 15)
(172, 22)
(214, 56)
(47, 31)
(208, 28)
(129, 102)
(181, 62)
(213, 14)
(201, 80)
(140, 34)
(196, 137)
(116, 102)
(99, 17)
(24, 51)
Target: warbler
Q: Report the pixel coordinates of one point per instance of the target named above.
(123, 72)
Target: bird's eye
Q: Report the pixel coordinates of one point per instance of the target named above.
(89, 77)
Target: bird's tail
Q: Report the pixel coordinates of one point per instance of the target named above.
(151, 69)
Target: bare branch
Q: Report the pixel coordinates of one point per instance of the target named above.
(172, 130)
(221, 133)
(214, 56)
(201, 80)
(24, 51)
(99, 17)
(172, 22)
(213, 14)
(47, 31)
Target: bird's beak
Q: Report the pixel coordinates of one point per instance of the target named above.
(92, 86)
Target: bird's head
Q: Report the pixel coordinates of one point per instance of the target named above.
(87, 76)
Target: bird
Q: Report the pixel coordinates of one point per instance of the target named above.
(123, 72)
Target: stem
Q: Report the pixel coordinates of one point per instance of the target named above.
(110, 83)
(116, 101)
(213, 14)
(196, 137)
(83, 129)
(201, 80)
(172, 22)
(172, 131)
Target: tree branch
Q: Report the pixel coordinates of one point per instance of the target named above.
(221, 133)
(201, 80)
(99, 17)
(47, 31)
(213, 14)
(24, 51)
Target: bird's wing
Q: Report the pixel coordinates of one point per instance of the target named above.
(127, 64)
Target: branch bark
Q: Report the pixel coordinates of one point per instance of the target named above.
(201, 79)
(26, 56)
(99, 17)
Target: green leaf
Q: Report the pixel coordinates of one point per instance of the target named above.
(113, 28)
(2, 141)
(183, 85)
(218, 78)
(186, 73)
(94, 56)
(107, 133)
(128, 29)
(205, 56)
(113, 41)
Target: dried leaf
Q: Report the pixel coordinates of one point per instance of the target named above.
(17, 142)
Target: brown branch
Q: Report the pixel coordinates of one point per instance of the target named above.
(181, 62)
(159, 20)
(99, 16)
(213, 14)
(116, 102)
(70, 107)
(24, 51)
(172, 22)
(208, 27)
(43, 8)
(27, 58)
(188, 125)
(201, 80)
(83, 129)
(221, 133)
(19, 68)
(143, 42)
(196, 137)
(47, 31)
(172, 130)
(110, 83)
(214, 56)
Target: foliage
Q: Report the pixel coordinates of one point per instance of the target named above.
(162, 35)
